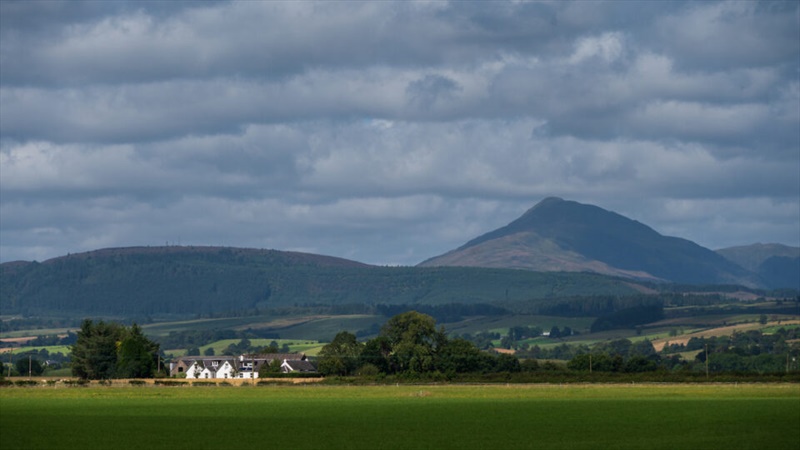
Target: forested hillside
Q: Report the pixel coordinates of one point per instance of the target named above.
(189, 281)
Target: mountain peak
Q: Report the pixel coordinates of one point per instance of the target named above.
(564, 235)
(549, 201)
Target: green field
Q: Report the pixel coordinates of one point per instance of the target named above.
(403, 417)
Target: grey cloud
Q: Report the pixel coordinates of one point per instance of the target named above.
(425, 92)
(727, 35)
(391, 131)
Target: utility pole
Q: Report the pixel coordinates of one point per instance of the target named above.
(590, 363)
(30, 366)
(706, 361)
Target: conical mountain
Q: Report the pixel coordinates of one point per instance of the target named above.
(562, 235)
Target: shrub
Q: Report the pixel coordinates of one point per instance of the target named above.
(169, 382)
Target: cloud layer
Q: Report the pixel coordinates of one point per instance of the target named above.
(389, 132)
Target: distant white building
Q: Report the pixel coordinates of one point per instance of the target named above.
(242, 366)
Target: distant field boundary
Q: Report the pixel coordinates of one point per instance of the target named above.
(55, 382)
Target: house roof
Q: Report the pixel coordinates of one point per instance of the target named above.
(300, 366)
(273, 356)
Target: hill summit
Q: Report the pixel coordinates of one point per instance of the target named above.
(563, 235)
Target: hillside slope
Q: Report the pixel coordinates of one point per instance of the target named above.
(558, 235)
(778, 265)
(187, 281)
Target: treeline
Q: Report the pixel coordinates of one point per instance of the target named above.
(34, 362)
(628, 318)
(587, 305)
(745, 351)
(448, 313)
(409, 344)
(199, 338)
(36, 323)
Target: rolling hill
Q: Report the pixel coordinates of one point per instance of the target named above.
(561, 235)
(189, 281)
(778, 265)
(558, 249)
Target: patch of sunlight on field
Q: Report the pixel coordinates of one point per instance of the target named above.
(402, 417)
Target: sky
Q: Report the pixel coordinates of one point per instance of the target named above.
(391, 132)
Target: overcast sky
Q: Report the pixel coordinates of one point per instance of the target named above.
(391, 132)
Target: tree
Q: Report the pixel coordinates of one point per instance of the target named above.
(209, 351)
(414, 341)
(376, 353)
(137, 355)
(340, 357)
(108, 350)
(461, 356)
(272, 368)
(94, 354)
(28, 365)
(642, 348)
(639, 364)
(507, 363)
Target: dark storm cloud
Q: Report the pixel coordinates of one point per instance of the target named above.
(391, 131)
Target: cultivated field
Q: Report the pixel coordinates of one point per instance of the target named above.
(726, 416)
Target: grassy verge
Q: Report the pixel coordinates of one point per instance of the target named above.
(435, 417)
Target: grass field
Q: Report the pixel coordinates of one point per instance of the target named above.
(403, 417)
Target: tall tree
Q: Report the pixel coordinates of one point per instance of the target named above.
(340, 357)
(109, 350)
(137, 355)
(415, 341)
(94, 354)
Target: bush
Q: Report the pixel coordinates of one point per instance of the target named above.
(137, 382)
(169, 383)
(368, 370)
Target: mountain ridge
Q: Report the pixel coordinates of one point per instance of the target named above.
(595, 240)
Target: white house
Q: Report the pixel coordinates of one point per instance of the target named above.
(243, 366)
(210, 368)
